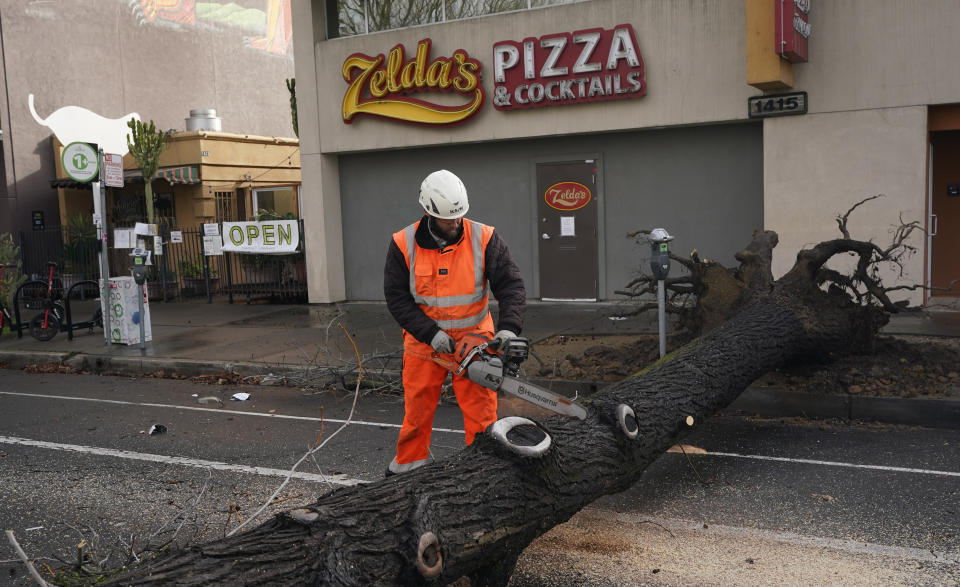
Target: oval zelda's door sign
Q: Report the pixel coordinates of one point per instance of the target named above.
(567, 195)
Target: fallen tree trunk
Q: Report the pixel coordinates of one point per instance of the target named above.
(472, 514)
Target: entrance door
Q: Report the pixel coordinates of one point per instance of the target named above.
(567, 224)
(945, 206)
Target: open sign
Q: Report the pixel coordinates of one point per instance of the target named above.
(269, 236)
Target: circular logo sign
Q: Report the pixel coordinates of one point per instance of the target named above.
(567, 195)
(80, 162)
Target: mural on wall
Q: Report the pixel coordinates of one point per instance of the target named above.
(267, 21)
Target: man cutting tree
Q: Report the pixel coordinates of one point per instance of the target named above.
(435, 282)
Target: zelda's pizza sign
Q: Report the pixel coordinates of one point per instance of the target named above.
(568, 68)
(589, 65)
(379, 86)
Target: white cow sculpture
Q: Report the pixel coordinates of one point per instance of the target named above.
(73, 123)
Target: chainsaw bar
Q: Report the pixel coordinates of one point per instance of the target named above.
(491, 376)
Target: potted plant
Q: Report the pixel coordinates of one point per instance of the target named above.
(191, 272)
(12, 277)
(158, 284)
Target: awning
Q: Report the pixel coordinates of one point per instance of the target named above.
(183, 174)
(66, 182)
(187, 174)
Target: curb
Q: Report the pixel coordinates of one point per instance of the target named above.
(132, 366)
(782, 403)
(20, 359)
(762, 401)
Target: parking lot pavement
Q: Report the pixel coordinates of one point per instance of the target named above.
(807, 502)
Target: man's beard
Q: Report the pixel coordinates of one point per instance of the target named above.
(447, 234)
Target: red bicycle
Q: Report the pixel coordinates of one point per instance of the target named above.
(48, 323)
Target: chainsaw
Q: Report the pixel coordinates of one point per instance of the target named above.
(496, 368)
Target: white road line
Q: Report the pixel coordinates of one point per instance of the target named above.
(834, 464)
(216, 410)
(184, 461)
(451, 430)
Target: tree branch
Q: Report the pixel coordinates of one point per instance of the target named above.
(23, 557)
(842, 220)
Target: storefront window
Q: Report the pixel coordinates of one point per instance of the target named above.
(164, 209)
(128, 207)
(359, 17)
(281, 201)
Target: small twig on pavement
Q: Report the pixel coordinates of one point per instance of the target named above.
(287, 498)
(661, 526)
(702, 482)
(23, 557)
(182, 514)
(356, 394)
(49, 570)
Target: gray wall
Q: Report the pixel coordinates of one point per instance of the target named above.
(704, 184)
(111, 58)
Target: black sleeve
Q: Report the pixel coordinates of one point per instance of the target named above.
(396, 290)
(505, 281)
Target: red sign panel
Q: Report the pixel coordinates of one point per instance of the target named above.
(793, 29)
(568, 68)
(567, 196)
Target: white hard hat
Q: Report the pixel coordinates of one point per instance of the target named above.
(443, 195)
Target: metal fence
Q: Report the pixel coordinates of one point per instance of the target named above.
(182, 271)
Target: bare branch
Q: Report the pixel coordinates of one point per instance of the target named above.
(23, 557)
(842, 220)
(840, 281)
(317, 447)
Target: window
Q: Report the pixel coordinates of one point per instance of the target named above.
(226, 206)
(128, 207)
(359, 17)
(281, 200)
(164, 210)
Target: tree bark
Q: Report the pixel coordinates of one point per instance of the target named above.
(481, 507)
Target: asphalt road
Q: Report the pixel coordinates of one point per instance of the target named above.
(770, 502)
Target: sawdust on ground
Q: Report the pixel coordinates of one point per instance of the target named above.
(599, 547)
(900, 366)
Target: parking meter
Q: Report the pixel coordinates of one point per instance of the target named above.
(660, 253)
(660, 265)
(139, 270)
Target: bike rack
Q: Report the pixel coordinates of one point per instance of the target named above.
(16, 303)
(70, 326)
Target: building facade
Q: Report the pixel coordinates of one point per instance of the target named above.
(158, 58)
(203, 176)
(577, 123)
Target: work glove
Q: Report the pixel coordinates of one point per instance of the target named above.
(442, 343)
(501, 337)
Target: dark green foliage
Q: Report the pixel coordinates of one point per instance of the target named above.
(146, 145)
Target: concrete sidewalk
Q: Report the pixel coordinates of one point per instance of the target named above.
(194, 338)
(221, 334)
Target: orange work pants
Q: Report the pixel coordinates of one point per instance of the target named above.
(422, 380)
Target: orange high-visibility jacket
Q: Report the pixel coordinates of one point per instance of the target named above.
(449, 284)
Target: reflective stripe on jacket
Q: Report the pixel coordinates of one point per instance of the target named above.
(449, 284)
